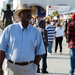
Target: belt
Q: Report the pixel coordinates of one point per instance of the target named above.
(21, 63)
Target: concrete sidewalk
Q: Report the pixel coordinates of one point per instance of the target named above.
(58, 64)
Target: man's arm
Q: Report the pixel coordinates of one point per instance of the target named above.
(2, 56)
(37, 59)
(68, 33)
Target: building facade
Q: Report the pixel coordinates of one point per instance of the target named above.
(44, 3)
(40, 5)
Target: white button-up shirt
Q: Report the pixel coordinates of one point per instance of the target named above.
(21, 45)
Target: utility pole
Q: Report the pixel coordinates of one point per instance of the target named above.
(70, 2)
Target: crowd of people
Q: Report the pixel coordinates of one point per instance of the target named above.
(22, 46)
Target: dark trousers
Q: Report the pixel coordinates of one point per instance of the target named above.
(58, 40)
(44, 62)
(72, 60)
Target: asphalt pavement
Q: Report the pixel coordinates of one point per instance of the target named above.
(57, 64)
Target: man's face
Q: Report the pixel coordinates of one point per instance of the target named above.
(25, 15)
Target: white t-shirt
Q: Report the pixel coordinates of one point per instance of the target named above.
(59, 31)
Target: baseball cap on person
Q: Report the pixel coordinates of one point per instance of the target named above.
(73, 16)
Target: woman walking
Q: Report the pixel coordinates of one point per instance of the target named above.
(59, 37)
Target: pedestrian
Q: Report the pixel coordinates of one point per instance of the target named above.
(7, 18)
(71, 43)
(21, 45)
(66, 29)
(58, 37)
(50, 32)
(45, 39)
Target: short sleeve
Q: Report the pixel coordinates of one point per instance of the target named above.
(4, 40)
(40, 49)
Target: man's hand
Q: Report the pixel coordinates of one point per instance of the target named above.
(37, 59)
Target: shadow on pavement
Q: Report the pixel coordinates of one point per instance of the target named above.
(57, 58)
(59, 74)
(53, 74)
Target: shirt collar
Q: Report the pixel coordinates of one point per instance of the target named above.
(22, 26)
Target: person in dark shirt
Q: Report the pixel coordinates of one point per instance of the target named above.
(7, 18)
(66, 29)
(45, 40)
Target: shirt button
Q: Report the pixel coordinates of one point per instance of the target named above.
(21, 56)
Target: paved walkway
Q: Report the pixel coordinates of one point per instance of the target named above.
(58, 64)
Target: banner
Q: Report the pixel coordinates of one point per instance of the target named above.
(56, 10)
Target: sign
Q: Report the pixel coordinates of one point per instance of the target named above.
(55, 13)
(59, 9)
